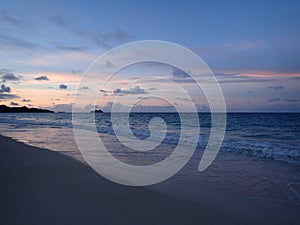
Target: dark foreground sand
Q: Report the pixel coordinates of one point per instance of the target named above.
(40, 187)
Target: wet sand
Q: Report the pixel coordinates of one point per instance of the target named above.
(39, 186)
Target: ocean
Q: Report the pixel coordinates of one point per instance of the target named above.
(259, 157)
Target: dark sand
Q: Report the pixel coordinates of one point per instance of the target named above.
(40, 187)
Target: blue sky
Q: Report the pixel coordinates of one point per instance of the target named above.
(252, 46)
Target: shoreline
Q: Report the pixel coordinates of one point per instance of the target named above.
(45, 187)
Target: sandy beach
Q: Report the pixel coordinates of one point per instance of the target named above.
(40, 186)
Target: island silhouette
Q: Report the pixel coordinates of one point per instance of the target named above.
(22, 109)
(97, 111)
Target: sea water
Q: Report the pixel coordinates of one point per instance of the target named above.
(259, 157)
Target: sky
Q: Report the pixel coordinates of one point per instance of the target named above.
(252, 47)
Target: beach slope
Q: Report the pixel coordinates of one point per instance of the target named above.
(41, 187)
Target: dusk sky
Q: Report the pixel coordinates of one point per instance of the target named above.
(253, 48)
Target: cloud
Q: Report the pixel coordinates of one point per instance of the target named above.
(99, 38)
(294, 78)
(41, 78)
(163, 108)
(9, 19)
(281, 57)
(17, 42)
(177, 73)
(132, 91)
(84, 88)
(73, 48)
(180, 76)
(142, 98)
(73, 71)
(202, 108)
(54, 99)
(9, 77)
(105, 38)
(274, 100)
(63, 87)
(226, 74)
(69, 108)
(291, 100)
(77, 94)
(26, 100)
(109, 64)
(246, 80)
(105, 93)
(62, 108)
(182, 99)
(276, 88)
(119, 107)
(4, 71)
(14, 103)
(7, 96)
(242, 46)
(4, 88)
(117, 35)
